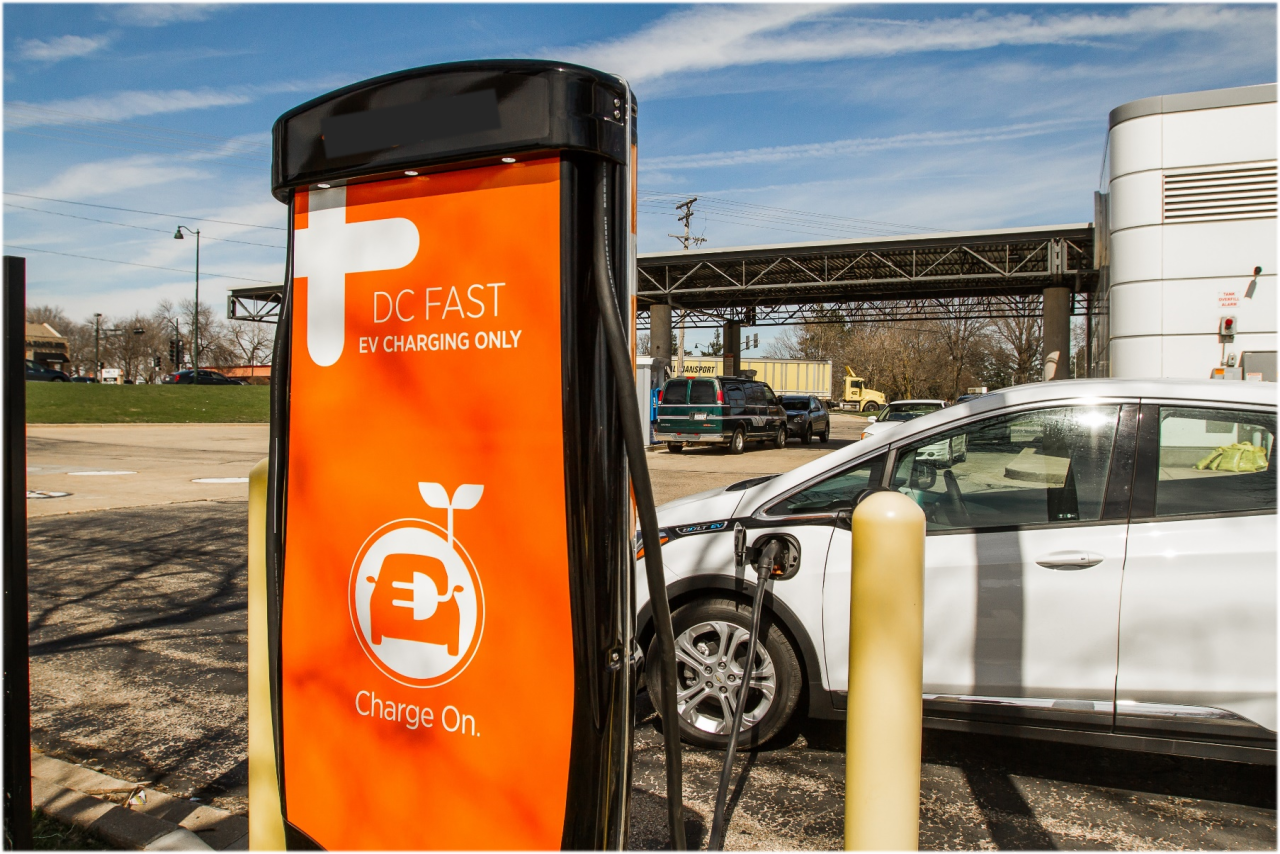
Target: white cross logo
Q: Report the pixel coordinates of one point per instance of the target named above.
(329, 248)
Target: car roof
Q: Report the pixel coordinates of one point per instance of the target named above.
(1189, 392)
(896, 402)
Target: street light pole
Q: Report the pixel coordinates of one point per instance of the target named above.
(97, 359)
(195, 335)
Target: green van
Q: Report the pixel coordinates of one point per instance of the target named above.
(719, 410)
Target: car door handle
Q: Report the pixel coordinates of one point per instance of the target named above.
(1070, 560)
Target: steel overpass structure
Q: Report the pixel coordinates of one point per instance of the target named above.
(1050, 271)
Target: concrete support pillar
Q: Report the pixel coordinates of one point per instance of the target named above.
(732, 347)
(660, 332)
(1057, 333)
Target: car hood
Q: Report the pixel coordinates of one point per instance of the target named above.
(701, 507)
(881, 427)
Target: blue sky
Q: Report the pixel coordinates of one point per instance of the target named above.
(856, 120)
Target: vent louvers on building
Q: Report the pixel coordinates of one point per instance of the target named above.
(1221, 194)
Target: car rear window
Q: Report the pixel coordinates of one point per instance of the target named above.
(677, 391)
(702, 391)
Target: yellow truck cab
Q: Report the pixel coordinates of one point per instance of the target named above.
(858, 396)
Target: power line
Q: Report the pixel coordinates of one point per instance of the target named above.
(148, 213)
(135, 264)
(140, 227)
(772, 212)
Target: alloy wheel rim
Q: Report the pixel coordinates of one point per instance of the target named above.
(710, 663)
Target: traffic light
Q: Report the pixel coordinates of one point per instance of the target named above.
(155, 361)
(175, 352)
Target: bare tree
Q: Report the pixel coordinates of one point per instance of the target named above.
(1023, 337)
(251, 342)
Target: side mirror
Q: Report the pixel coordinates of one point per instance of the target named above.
(777, 557)
(872, 419)
(739, 546)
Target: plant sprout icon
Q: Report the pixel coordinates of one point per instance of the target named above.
(465, 497)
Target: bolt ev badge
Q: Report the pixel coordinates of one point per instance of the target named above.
(417, 604)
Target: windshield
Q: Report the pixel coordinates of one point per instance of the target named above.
(901, 416)
(793, 403)
(914, 408)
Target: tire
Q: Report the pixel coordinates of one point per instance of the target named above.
(780, 438)
(869, 406)
(808, 434)
(59, 380)
(675, 447)
(825, 434)
(701, 629)
(738, 441)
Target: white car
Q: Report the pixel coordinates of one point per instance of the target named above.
(901, 411)
(1099, 568)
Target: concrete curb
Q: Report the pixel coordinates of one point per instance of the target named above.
(75, 795)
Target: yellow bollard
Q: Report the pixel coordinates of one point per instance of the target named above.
(886, 626)
(266, 824)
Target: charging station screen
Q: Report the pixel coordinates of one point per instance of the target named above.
(426, 646)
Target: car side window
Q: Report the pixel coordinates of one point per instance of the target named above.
(833, 493)
(755, 395)
(1038, 467)
(1215, 461)
(737, 399)
(814, 405)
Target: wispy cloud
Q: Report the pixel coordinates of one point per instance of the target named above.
(862, 145)
(105, 177)
(60, 48)
(122, 106)
(713, 37)
(160, 14)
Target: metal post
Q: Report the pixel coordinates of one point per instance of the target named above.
(97, 359)
(732, 347)
(17, 684)
(266, 824)
(886, 628)
(195, 344)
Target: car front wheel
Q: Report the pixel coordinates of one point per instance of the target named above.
(825, 434)
(808, 434)
(711, 661)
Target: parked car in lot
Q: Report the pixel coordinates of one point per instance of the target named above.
(38, 373)
(719, 410)
(206, 378)
(806, 417)
(1100, 568)
(83, 379)
(901, 411)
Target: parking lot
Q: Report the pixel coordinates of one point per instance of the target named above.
(138, 645)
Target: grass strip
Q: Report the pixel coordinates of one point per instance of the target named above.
(88, 403)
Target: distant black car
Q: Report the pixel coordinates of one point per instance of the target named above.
(83, 380)
(806, 417)
(38, 373)
(206, 378)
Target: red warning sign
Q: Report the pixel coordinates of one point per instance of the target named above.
(426, 645)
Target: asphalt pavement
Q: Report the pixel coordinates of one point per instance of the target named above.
(138, 643)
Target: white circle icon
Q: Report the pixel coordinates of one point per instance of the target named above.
(417, 605)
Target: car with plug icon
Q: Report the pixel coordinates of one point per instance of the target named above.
(1100, 568)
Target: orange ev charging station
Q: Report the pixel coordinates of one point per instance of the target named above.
(449, 532)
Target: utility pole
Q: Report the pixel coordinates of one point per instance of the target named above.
(97, 359)
(685, 240)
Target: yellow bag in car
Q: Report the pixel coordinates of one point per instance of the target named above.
(1237, 457)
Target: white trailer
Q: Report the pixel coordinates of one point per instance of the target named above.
(784, 376)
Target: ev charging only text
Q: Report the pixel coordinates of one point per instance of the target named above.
(370, 705)
(472, 302)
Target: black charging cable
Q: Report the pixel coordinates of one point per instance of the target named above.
(642, 488)
(764, 560)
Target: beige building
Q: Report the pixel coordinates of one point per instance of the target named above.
(45, 346)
